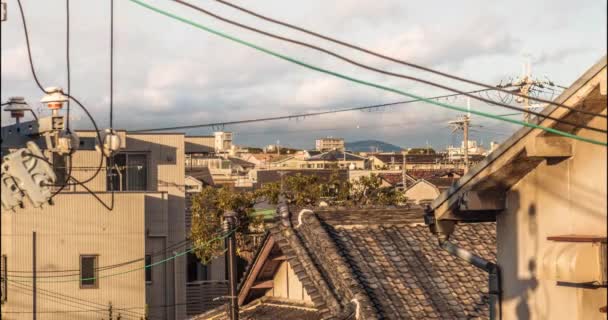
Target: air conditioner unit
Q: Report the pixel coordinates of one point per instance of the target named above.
(576, 262)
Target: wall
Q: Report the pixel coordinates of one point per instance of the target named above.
(422, 190)
(167, 174)
(76, 225)
(200, 144)
(557, 198)
(287, 285)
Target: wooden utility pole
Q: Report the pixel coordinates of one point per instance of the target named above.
(404, 173)
(228, 225)
(465, 129)
(463, 124)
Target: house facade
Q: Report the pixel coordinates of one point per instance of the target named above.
(136, 218)
(547, 194)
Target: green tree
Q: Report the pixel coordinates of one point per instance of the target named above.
(299, 190)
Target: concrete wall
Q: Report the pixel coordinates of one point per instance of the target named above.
(200, 144)
(75, 225)
(164, 219)
(167, 174)
(557, 198)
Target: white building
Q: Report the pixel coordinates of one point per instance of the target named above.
(223, 141)
(329, 144)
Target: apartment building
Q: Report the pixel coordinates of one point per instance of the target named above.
(329, 144)
(91, 249)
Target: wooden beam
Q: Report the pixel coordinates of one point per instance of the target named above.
(482, 201)
(603, 84)
(577, 238)
(279, 258)
(549, 147)
(267, 284)
(258, 263)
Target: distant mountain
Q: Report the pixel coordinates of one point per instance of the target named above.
(371, 145)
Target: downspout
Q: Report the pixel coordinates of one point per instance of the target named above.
(494, 275)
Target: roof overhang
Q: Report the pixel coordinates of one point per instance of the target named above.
(480, 193)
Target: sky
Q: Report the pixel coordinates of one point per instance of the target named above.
(167, 73)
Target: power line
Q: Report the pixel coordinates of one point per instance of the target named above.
(111, 64)
(104, 268)
(91, 304)
(38, 83)
(173, 257)
(406, 63)
(301, 115)
(67, 58)
(367, 67)
(359, 81)
(72, 302)
(338, 128)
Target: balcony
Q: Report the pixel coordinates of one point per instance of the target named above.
(200, 295)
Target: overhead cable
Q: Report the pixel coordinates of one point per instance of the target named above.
(398, 75)
(173, 257)
(363, 82)
(41, 87)
(403, 62)
(300, 115)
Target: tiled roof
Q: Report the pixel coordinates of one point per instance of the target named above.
(241, 162)
(395, 178)
(442, 183)
(202, 174)
(410, 158)
(268, 308)
(388, 261)
(335, 155)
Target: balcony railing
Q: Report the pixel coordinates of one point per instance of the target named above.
(202, 296)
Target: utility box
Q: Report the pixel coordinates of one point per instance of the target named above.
(576, 259)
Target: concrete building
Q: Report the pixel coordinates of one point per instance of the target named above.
(329, 144)
(223, 141)
(109, 239)
(547, 194)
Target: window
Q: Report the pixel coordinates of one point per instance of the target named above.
(128, 172)
(60, 164)
(148, 268)
(88, 271)
(196, 271)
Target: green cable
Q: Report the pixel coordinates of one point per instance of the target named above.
(132, 270)
(363, 82)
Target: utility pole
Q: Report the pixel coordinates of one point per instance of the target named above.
(526, 84)
(34, 275)
(404, 170)
(465, 129)
(278, 148)
(228, 225)
(463, 124)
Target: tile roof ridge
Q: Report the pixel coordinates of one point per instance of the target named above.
(304, 266)
(346, 283)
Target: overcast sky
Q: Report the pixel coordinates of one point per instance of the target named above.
(168, 73)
